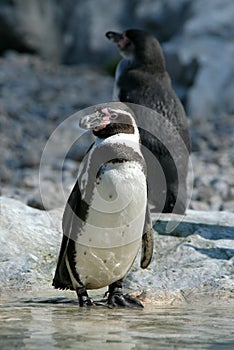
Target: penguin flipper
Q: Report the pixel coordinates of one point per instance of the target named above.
(62, 278)
(147, 241)
(122, 69)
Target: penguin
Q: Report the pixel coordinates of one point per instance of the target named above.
(142, 79)
(106, 217)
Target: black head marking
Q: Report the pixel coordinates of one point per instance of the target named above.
(140, 46)
(120, 122)
(147, 48)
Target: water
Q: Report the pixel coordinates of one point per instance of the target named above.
(33, 323)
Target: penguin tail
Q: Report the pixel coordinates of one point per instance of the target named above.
(58, 284)
(62, 279)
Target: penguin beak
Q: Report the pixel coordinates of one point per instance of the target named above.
(115, 37)
(95, 121)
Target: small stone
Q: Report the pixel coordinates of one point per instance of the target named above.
(216, 203)
(221, 187)
(197, 205)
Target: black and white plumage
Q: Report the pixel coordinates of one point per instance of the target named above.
(106, 216)
(142, 79)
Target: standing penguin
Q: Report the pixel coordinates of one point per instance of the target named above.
(141, 78)
(106, 216)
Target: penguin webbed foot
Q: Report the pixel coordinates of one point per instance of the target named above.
(117, 298)
(83, 298)
(123, 300)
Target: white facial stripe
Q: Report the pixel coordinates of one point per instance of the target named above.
(120, 111)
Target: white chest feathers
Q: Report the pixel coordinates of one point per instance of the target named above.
(110, 238)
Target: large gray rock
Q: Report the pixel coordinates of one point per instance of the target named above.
(165, 18)
(206, 38)
(193, 258)
(192, 261)
(62, 31)
(29, 241)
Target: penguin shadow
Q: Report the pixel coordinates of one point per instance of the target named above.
(215, 253)
(63, 301)
(54, 300)
(206, 231)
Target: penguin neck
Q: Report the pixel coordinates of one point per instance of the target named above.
(154, 66)
(151, 63)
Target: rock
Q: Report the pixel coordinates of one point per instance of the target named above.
(215, 203)
(204, 38)
(11, 36)
(154, 15)
(229, 206)
(35, 201)
(30, 239)
(52, 36)
(198, 205)
(38, 32)
(194, 258)
(48, 197)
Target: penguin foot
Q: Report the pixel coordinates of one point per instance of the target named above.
(83, 297)
(123, 300)
(85, 300)
(117, 298)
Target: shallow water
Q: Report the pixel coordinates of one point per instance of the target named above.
(32, 323)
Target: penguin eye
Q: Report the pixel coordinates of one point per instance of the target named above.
(114, 115)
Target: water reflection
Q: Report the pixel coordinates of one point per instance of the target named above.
(34, 325)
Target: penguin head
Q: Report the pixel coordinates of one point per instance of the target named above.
(108, 121)
(140, 46)
(125, 45)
